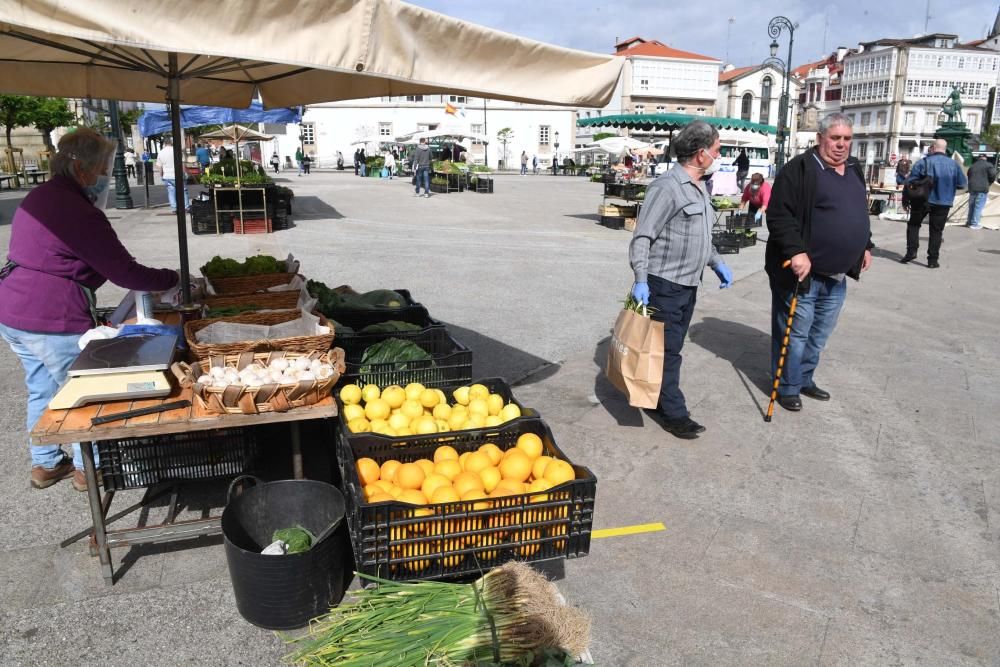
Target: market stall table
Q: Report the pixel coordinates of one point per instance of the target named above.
(62, 427)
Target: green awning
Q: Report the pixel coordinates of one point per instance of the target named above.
(664, 122)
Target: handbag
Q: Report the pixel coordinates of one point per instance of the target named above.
(635, 357)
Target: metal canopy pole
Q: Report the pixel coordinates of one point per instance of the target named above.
(174, 98)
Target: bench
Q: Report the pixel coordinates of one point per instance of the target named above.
(7, 178)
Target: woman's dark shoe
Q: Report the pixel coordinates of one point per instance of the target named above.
(816, 393)
(907, 258)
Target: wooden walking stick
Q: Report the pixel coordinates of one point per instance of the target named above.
(784, 346)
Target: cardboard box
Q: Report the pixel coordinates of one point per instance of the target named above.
(630, 224)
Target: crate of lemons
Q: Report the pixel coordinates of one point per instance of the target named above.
(417, 410)
(480, 478)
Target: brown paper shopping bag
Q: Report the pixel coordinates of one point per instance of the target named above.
(635, 358)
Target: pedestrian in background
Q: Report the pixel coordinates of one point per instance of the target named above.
(818, 221)
(165, 166)
(307, 161)
(903, 170)
(275, 161)
(298, 159)
(390, 163)
(524, 163)
(670, 248)
(534, 164)
(756, 196)
(204, 156)
(422, 167)
(130, 163)
(981, 176)
(948, 178)
(742, 163)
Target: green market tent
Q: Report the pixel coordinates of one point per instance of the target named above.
(668, 122)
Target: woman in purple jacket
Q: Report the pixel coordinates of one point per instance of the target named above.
(62, 248)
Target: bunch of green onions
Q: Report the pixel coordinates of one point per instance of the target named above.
(508, 614)
(636, 306)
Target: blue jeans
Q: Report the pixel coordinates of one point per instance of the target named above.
(815, 318)
(172, 194)
(46, 357)
(424, 176)
(364, 168)
(674, 306)
(524, 169)
(977, 202)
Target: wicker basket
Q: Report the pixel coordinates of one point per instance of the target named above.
(247, 400)
(249, 284)
(304, 344)
(284, 300)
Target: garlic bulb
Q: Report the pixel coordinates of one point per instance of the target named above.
(279, 364)
(205, 379)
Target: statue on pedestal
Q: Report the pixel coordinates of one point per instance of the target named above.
(952, 107)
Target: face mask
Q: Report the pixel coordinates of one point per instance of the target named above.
(755, 188)
(712, 168)
(97, 189)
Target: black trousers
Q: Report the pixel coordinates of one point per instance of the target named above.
(674, 306)
(937, 216)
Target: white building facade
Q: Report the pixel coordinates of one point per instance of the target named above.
(894, 89)
(336, 126)
(754, 94)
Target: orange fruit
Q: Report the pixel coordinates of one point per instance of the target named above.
(538, 466)
(368, 471)
(449, 468)
(467, 481)
(527, 550)
(445, 452)
(530, 444)
(491, 477)
(517, 466)
(539, 485)
(389, 469)
(380, 498)
(412, 497)
(409, 476)
(511, 485)
(492, 451)
(432, 482)
(559, 472)
(461, 459)
(426, 465)
(476, 461)
(445, 494)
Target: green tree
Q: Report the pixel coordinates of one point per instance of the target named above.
(50, 113)
(505, 136)
(991, 137)
(603, 135)
(15, 111)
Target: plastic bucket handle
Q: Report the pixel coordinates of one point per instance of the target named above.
(232, 485)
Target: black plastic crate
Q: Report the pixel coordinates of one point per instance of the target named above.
(451, 363)
(355, 344)
(495, 385)
(483, 185)
(140, 462)
(402, 542)
(741, 221)
(359, 319)
(748, 239)
(613, 221)
(727, 243)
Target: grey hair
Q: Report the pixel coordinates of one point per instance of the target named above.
(167, 141)
(833, 119)
(695, 136)
(82, 145)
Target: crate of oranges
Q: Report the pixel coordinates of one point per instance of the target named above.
(452, 504)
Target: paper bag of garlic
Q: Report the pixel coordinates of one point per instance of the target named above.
(235, 332)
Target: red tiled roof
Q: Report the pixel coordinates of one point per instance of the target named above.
(736, 73)
(802, 70)
(659, 50)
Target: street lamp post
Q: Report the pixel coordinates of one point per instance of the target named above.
(123, 194)
(555, 155)
(774, 28)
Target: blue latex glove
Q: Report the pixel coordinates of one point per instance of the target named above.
(725, 275)
(640, 291)
(756, 218)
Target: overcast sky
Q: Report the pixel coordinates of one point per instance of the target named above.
(702, 27)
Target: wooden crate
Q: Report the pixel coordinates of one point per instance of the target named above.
(630, 224)
(617, 210)
(251, 225)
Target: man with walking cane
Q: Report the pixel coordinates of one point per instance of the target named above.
(819, 228)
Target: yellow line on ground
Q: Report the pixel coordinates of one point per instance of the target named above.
(628, 530)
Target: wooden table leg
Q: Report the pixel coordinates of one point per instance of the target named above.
(97, 511)
(297, 451)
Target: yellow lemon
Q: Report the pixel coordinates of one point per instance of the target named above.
(445, 452)
(413, 391)
(478, 421)
(495, 403)
(409, 476)
(467, 424)
(426, 465)
(350, 394)
(361, 425)
(424, 425)
(411, 409)
(370, 392)
(456, 420)
(491, 478)
(559, 472)
(530, 444)
(476, 461)
(460, 409)
(368, 471)
(398, 421)
(377, 409)
(432, 482)
(442, 425)
(441, 411)
(467, 481)
(477, 406)
(403, 431)
(442, 397)
(384, 429)
(393, 395)
(492, 420)
(517, 466)
(540, 485)
(389, 470)
(450, 468)
(510, 411)
(352, 412)
(429, 398)
(492, 451)
(538, 467)
(461, 395)
(379, 424)
(479, 391)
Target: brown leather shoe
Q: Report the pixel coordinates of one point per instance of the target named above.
(43, 478)
(80, 480)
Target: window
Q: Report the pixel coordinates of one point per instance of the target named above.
(681, 109)
(866, 119)
(879, 148)
(309, 133)
(765, 100)
(881, 119)
(414, 98)
(385, 129)
(862, 150)
(423, 127)
(458, 99)
(972, 120)
(643, 84)
(660, 108)
(639, 108)
(476, 129)
(701, 111)
(543, 135)
(909, 118)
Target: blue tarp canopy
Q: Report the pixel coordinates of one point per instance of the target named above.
(158, 121)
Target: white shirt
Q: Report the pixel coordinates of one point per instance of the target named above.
(165, 162)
